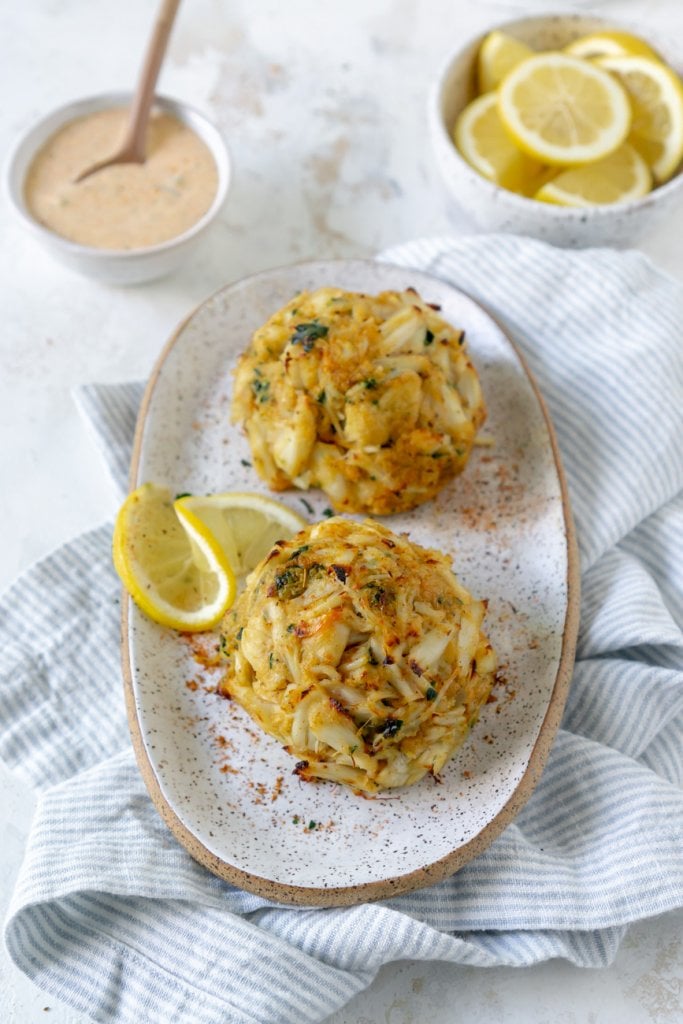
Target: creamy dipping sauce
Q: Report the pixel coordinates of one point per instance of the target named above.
(127, 206)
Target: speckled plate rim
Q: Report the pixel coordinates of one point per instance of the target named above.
(429, 874)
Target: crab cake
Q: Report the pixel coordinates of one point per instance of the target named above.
(372, 398)
(361, 653)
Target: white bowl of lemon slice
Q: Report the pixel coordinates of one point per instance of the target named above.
(562, 127)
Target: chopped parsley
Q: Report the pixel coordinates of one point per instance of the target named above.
(299, 551)
(370, 383)
(306, 335)
(430, 693)
(321, 397)
(379, 597)
(307, 505)
(290, 582)
(238, 634)
(328, 512)
(183, 494)
(260, 387)
(246, 462)
(429, 337)
(391, 727)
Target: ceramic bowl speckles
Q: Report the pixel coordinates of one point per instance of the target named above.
(133, 266)
(227, 790)
(495, 209)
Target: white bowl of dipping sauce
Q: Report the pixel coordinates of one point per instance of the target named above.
(128, 223)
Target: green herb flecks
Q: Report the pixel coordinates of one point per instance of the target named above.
(379, 596)
(429, 337)
(430, 693)
(260, 387)
(290, 582)
(306, 335)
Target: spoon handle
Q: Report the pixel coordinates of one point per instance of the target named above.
(138, 120)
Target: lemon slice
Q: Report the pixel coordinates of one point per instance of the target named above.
(174, 569)
(244, 525)
(484, 143)
(562, 110)
(656, 95)
(617, 178)
(610, 43)
(498, 54)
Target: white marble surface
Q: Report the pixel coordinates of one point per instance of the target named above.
(323, 108)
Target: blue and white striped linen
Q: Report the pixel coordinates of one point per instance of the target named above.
(112, 916)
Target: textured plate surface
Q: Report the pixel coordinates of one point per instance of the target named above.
(227, 790)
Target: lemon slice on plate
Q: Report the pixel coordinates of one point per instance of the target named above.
(617, 178)
(656, 95)
(562, 110)
(174, 569)
(482, 140)
(498, 54)
(609, 43)
(245, 526)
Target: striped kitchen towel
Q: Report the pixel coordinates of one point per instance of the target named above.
(112, 916)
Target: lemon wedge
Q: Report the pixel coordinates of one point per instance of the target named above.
(617, 178)
(245, 526)
(173, 568)
(498, 54)
(482, 140)
(609, 43)
(656, 95)
(562, 110)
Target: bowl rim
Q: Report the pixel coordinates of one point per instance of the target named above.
(30, 141)
(526, 204)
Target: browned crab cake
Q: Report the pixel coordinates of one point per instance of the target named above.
(361, 653)
(372, 398)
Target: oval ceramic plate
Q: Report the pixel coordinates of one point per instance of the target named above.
(227, 790)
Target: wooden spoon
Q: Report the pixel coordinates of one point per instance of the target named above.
(133, 148)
